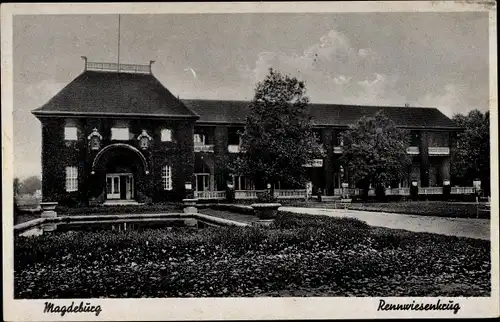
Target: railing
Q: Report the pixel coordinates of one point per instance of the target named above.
(400, 192)
(301, 193)
(203, 148)
(252, 194)
(406, 191)
(247, 194)
(290, 194)
(354, 191)
(115, 67)
(210, 194)
(463, 190)
(439, 150)
(233, 148)
(338, 149)
(413, 150)
(430, 190)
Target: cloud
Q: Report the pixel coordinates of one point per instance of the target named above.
(27, 142)
(365, 52)
(449, 100)
(341, 80)
(334, 71)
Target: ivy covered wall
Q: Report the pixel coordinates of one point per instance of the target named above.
(57, 153)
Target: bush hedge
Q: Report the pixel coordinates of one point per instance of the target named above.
(423, 208)
(298, 254)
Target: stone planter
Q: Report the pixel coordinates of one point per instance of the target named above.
(190, 206)
(48, 209)
(266, 210)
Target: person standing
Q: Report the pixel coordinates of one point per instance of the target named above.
(320, 194)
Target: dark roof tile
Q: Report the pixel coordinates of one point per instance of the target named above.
(234, 112)
(113, 93)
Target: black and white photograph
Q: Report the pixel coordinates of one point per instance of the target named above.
(299, 159)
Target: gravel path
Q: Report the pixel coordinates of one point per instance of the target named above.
(461, 227)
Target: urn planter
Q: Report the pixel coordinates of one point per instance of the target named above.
(266, 210)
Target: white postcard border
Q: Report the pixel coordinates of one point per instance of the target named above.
(235, 308)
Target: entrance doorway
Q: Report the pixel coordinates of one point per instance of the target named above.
(119, 186)
(202, 181)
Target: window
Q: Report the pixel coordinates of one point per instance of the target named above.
(70, 133)
(199, 139)
(166, 177)
(234, 136)
(166, 135)
(202, 181)
(340, 140)
(71, 179)
(242, 183)
(119, 133)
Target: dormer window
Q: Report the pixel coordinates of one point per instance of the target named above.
(95, 140)
(144, 140)
(120, 133)
(166, 135)
(70, 133)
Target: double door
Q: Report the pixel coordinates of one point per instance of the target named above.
(119, 186)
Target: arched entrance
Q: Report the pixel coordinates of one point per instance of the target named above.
(118, 169)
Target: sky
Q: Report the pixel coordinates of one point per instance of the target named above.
(421, 59)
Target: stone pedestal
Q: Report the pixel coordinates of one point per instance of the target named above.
(190, 206)
(48, 227)
(263, 222)
(191, 222)
(266, 211)
(48, 209)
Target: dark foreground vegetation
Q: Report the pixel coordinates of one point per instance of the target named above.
(299, 255)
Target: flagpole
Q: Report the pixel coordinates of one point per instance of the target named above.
(119, 18)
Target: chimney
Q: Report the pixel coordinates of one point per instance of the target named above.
(85, 59)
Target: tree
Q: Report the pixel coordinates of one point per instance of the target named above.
(16, 186)
(375, 152)
(30, 185)
(278, 139)
(470, 156)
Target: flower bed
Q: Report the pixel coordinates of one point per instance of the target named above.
(297, 255)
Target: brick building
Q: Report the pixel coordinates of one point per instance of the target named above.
(116, 133)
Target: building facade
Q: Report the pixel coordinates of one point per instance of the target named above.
(116, 133)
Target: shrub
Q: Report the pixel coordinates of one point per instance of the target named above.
(266, 197)
(332, 256)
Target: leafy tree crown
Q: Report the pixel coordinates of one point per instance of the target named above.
(375, 151)
(278, 138)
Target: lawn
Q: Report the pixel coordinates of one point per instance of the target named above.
(422, 208)
(298, 255)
